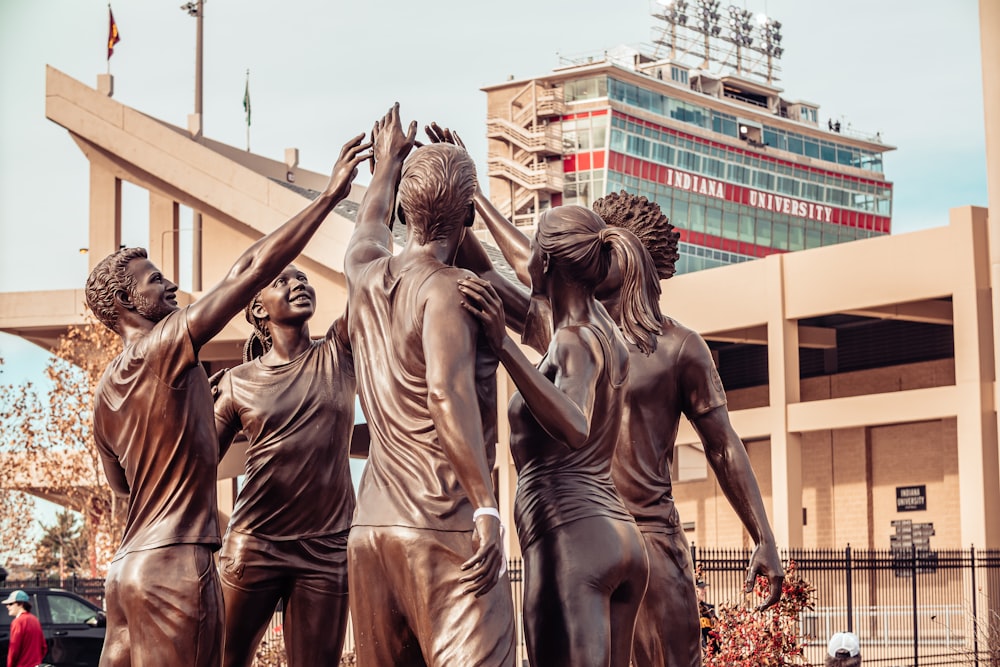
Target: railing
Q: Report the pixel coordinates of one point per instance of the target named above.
(533, 102)
(547, 139)
(91, 589)
(533, 177)
(908, 607)
(522, 198)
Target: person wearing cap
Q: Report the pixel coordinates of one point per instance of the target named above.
(27, 645)
(706, 616)
(843, 650)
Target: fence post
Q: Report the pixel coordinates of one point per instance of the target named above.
(694, 557)
(850, 591)
(913, 572)
(975, 618)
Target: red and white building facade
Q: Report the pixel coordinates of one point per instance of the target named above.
(740, 170)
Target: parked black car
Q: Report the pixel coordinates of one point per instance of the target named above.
(73, 627)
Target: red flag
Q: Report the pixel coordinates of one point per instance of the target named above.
(112, 33)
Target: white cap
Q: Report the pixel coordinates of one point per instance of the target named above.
(844, 643)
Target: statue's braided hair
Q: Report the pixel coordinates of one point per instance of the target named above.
(259, 341)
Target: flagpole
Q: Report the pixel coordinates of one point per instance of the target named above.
(246, 107)
(196, 8)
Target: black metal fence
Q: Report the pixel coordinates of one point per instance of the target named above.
(909, 607)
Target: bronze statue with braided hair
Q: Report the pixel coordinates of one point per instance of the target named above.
(155, 432)
(644, 219)
(584, 561)
(293, 399)
(678, 378)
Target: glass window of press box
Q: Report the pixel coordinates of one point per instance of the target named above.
(662, 146)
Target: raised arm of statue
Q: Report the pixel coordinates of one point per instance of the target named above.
(371, 238)
(563, 405)
(270, 254)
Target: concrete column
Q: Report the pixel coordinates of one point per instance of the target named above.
(989, 41)
(164, 233)
(978, 466)
(105, 214)
(783, 389)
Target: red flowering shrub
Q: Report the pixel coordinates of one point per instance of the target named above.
(750, 638)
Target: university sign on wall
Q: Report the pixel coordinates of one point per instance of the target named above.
(722, 190)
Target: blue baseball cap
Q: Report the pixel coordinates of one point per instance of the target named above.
(16, 596)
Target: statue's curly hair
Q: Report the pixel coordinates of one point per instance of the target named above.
(644, 219)
(108, 277)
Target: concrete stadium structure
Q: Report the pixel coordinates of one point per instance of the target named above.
(854, 371)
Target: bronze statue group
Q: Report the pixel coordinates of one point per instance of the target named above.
(608, 577)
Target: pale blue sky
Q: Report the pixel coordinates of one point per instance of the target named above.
(323, 70)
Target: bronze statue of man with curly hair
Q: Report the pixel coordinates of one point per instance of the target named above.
(154, 428)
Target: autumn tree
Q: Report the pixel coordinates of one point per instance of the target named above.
(48, 447)
(746, 637)
(17, 507)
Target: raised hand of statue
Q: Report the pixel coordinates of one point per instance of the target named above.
(485, 305)
(486, 565)
(442, 135)
(353, 153)
(388, 139)
(766, 562)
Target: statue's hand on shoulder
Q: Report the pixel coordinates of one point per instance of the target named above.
(482, 300)
(214, 380)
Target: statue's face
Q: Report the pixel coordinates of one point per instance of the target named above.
(289, 298)
(154, 295)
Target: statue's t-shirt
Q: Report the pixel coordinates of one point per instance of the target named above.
(153, 419)
(679, 377)
(408, 480)
(298, 418)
